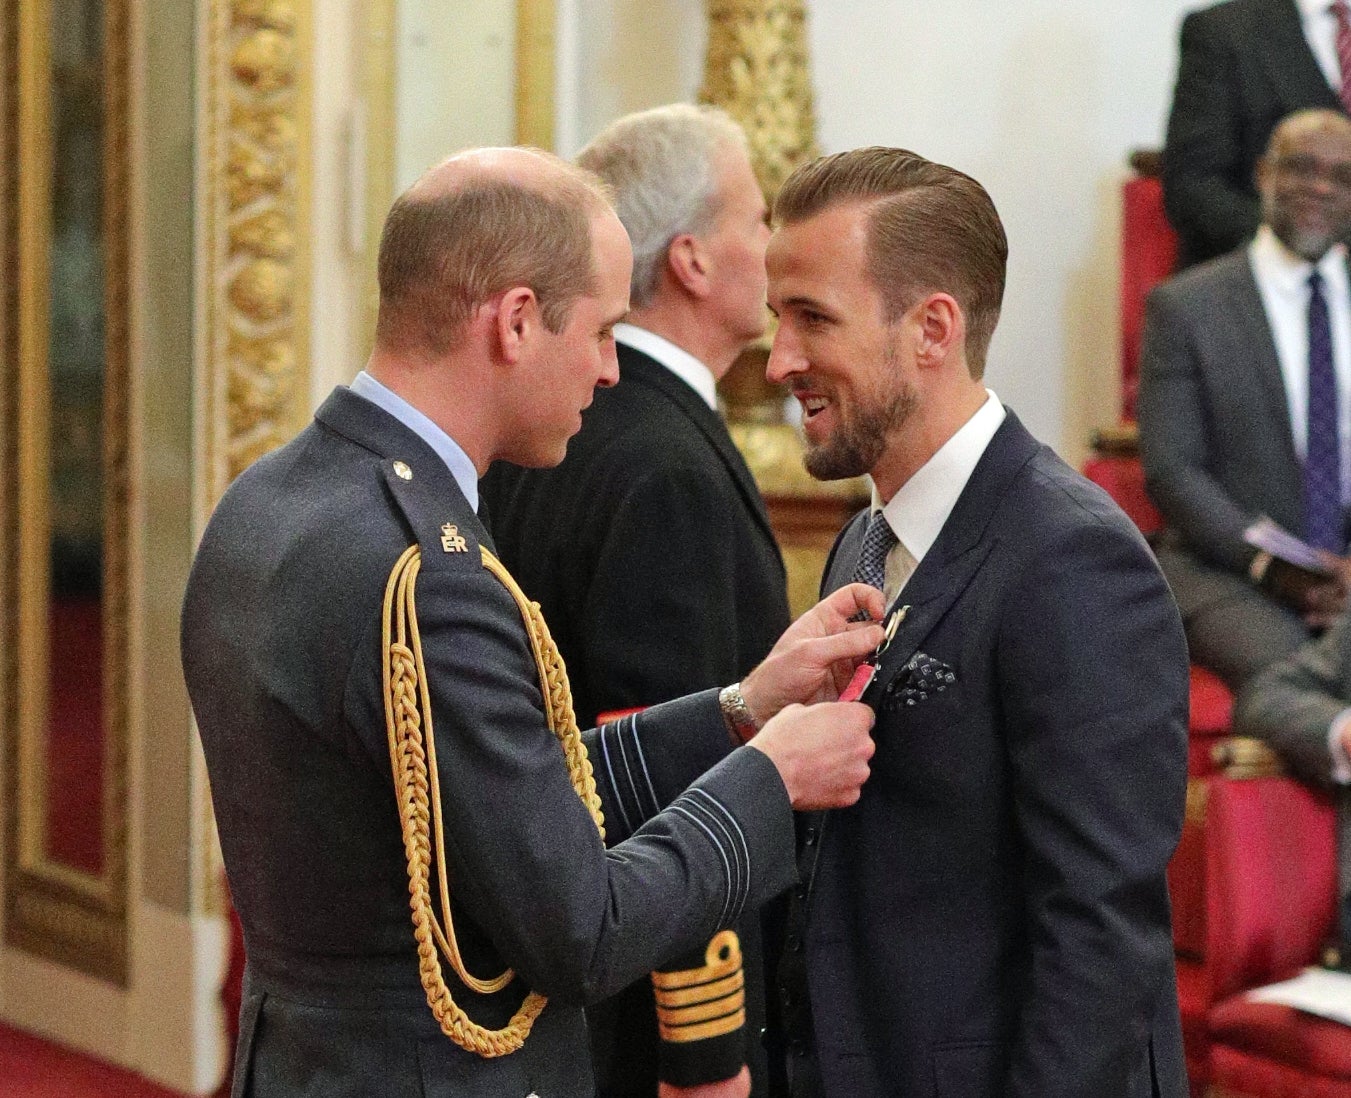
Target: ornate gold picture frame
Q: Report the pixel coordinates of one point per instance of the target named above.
(70, 910)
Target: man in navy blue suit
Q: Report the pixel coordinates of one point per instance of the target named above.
(990, 920)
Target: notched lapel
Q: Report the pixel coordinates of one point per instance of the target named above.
(929, 596)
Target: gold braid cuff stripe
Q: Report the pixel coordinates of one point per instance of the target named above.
(412, 756)
(697, 1003)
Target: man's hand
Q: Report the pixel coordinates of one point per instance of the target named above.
(738, 1086)
(1318, 598)
(817, 654)
(821, 752)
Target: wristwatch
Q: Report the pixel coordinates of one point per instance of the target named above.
(740, 720)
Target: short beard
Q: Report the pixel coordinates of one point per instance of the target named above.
(1309, 246)
(857, 446)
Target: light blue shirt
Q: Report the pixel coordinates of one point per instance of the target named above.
(447, 449)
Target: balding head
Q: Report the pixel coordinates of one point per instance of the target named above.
(1304, 179)
(477, 224)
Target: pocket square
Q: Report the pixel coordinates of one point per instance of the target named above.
(921, 678)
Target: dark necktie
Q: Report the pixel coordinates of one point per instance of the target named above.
(1323, 520)
(872, 558)
(1343, 17)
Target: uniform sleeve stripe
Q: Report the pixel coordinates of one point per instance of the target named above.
(610, 770)
(717, 817)
(725, 837)
(740, 844)
(628, 773)
(679, 808)
(642, 759)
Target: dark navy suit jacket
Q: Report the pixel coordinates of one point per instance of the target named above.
(991, 919)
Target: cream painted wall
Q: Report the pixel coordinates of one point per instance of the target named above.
(1041, 101)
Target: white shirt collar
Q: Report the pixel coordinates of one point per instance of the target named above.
(676, 359)
(1308, 9)
(1277, 266)
(457, 461)
(918, 510)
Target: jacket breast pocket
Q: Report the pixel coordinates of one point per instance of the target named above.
(974, 1070)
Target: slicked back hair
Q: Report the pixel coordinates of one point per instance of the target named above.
(931, 229)
(443, 253)
(664, 165)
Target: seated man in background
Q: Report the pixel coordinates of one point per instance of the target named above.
(648, 547)
(1245, 399)
(1242, 67)
(1301, 706)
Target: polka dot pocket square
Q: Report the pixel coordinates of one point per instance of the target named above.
(920, 679)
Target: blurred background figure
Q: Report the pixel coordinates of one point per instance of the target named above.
(649, 548)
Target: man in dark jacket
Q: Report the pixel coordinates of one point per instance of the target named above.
(648, 547)
(991, 919)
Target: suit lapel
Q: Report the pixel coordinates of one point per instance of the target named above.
(1252, 338)
(1289, 63)
(635, 367)
(962, 546)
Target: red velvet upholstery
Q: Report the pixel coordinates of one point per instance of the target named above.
(1271, 859)
(1187, 875)
(1212, 708)
(1148, 253)
(1281, 1035)
(1193, 999)
(1123, 479)
(1271, 862)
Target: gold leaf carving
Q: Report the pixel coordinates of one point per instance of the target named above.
(756, 69)
(265, 61)
(262, 290)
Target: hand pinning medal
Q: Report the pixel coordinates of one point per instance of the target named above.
(867, 670)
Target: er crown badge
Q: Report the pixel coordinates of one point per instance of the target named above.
(451, 541)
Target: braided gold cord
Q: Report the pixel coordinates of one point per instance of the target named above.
(412, 753)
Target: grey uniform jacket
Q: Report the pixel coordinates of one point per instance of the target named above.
(282, 653)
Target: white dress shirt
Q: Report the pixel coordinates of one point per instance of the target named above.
(1283, 283)
(921, 506)
(1320, 31)
(676, 359)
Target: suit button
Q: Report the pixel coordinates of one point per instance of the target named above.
(809, 839)
(800, 892)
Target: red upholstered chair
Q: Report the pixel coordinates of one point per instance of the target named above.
(1271, 854)
(1148, 255)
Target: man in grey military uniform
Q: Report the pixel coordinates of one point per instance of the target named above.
(379, 704)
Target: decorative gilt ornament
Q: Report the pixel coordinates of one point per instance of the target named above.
(756, 69)
(255, 194)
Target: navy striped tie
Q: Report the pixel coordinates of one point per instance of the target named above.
(1323, 518)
